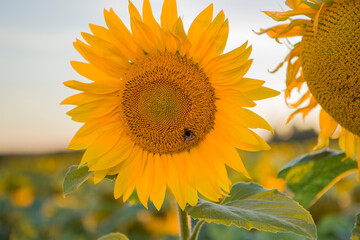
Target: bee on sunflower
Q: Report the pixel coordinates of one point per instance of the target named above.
(166, 108)
(327, 61)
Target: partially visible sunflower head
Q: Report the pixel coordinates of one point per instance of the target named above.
(327, 61)
(166, 108)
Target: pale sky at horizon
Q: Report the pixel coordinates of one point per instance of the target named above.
(36, 48)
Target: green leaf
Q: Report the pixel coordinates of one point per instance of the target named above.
(114, 236)
(356, 231)
(251, 206)
(309, 176)
(75, 177)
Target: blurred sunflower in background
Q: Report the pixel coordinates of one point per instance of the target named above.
(166, 108)
(327, 61)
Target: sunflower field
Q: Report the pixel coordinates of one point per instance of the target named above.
(32, 205)
(176, 131)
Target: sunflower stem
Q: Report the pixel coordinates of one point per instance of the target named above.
(196, 230)
(184, 224)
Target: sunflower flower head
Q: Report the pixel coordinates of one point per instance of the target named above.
(327, 61)
(166, 108)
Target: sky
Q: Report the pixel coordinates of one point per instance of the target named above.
(36, 48)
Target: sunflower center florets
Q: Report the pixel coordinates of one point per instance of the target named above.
(331, 62)
(168, 103)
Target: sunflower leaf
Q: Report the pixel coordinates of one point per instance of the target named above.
(74, 177)
(309, 176)
(251, 206)
(113, 236)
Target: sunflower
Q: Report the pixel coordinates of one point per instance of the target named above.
(327, 61)
(166, 108)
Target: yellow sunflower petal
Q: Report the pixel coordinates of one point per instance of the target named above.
(133, 12)
(93, 88)
(213, 39)
(261, 93)
(130, 177)
(229, 94)
(215, 46)
(153, 24)
(144, 36)
(169, 14)
(347, 142)
(200, 24)
(93, 110)
(294, 3)
(305, 110)
(120, 152)
(240, 137)
(293, 69)
(142, 33)
(229, 60)
(247, 84)
(179, 31)
(81, 98)
(358, 156)
(102, 44)
(100, 175)
(113, 66)
(206, 184)
(174, 181)
(157, 194)
(222, 148)
(297, 27)
(88, 132)
(126, 178)
(242, 116)
(192, 196)
(148, 15)
(107, 35)
(215, 166)
(327, 128)
(100, 146)
(305, 97)
(282, 16)
(145, 181)
(119, 30)
(91, 72)
(232, 76)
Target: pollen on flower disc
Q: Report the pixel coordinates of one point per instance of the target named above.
(331, 62)
(168, 103)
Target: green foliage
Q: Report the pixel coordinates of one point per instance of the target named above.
(251, 206)
(114, 236)
(41, 212)
(356, 230)
(75, 177)
(215, 232)
(330, 227)
(309, 176)
(92, 211)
